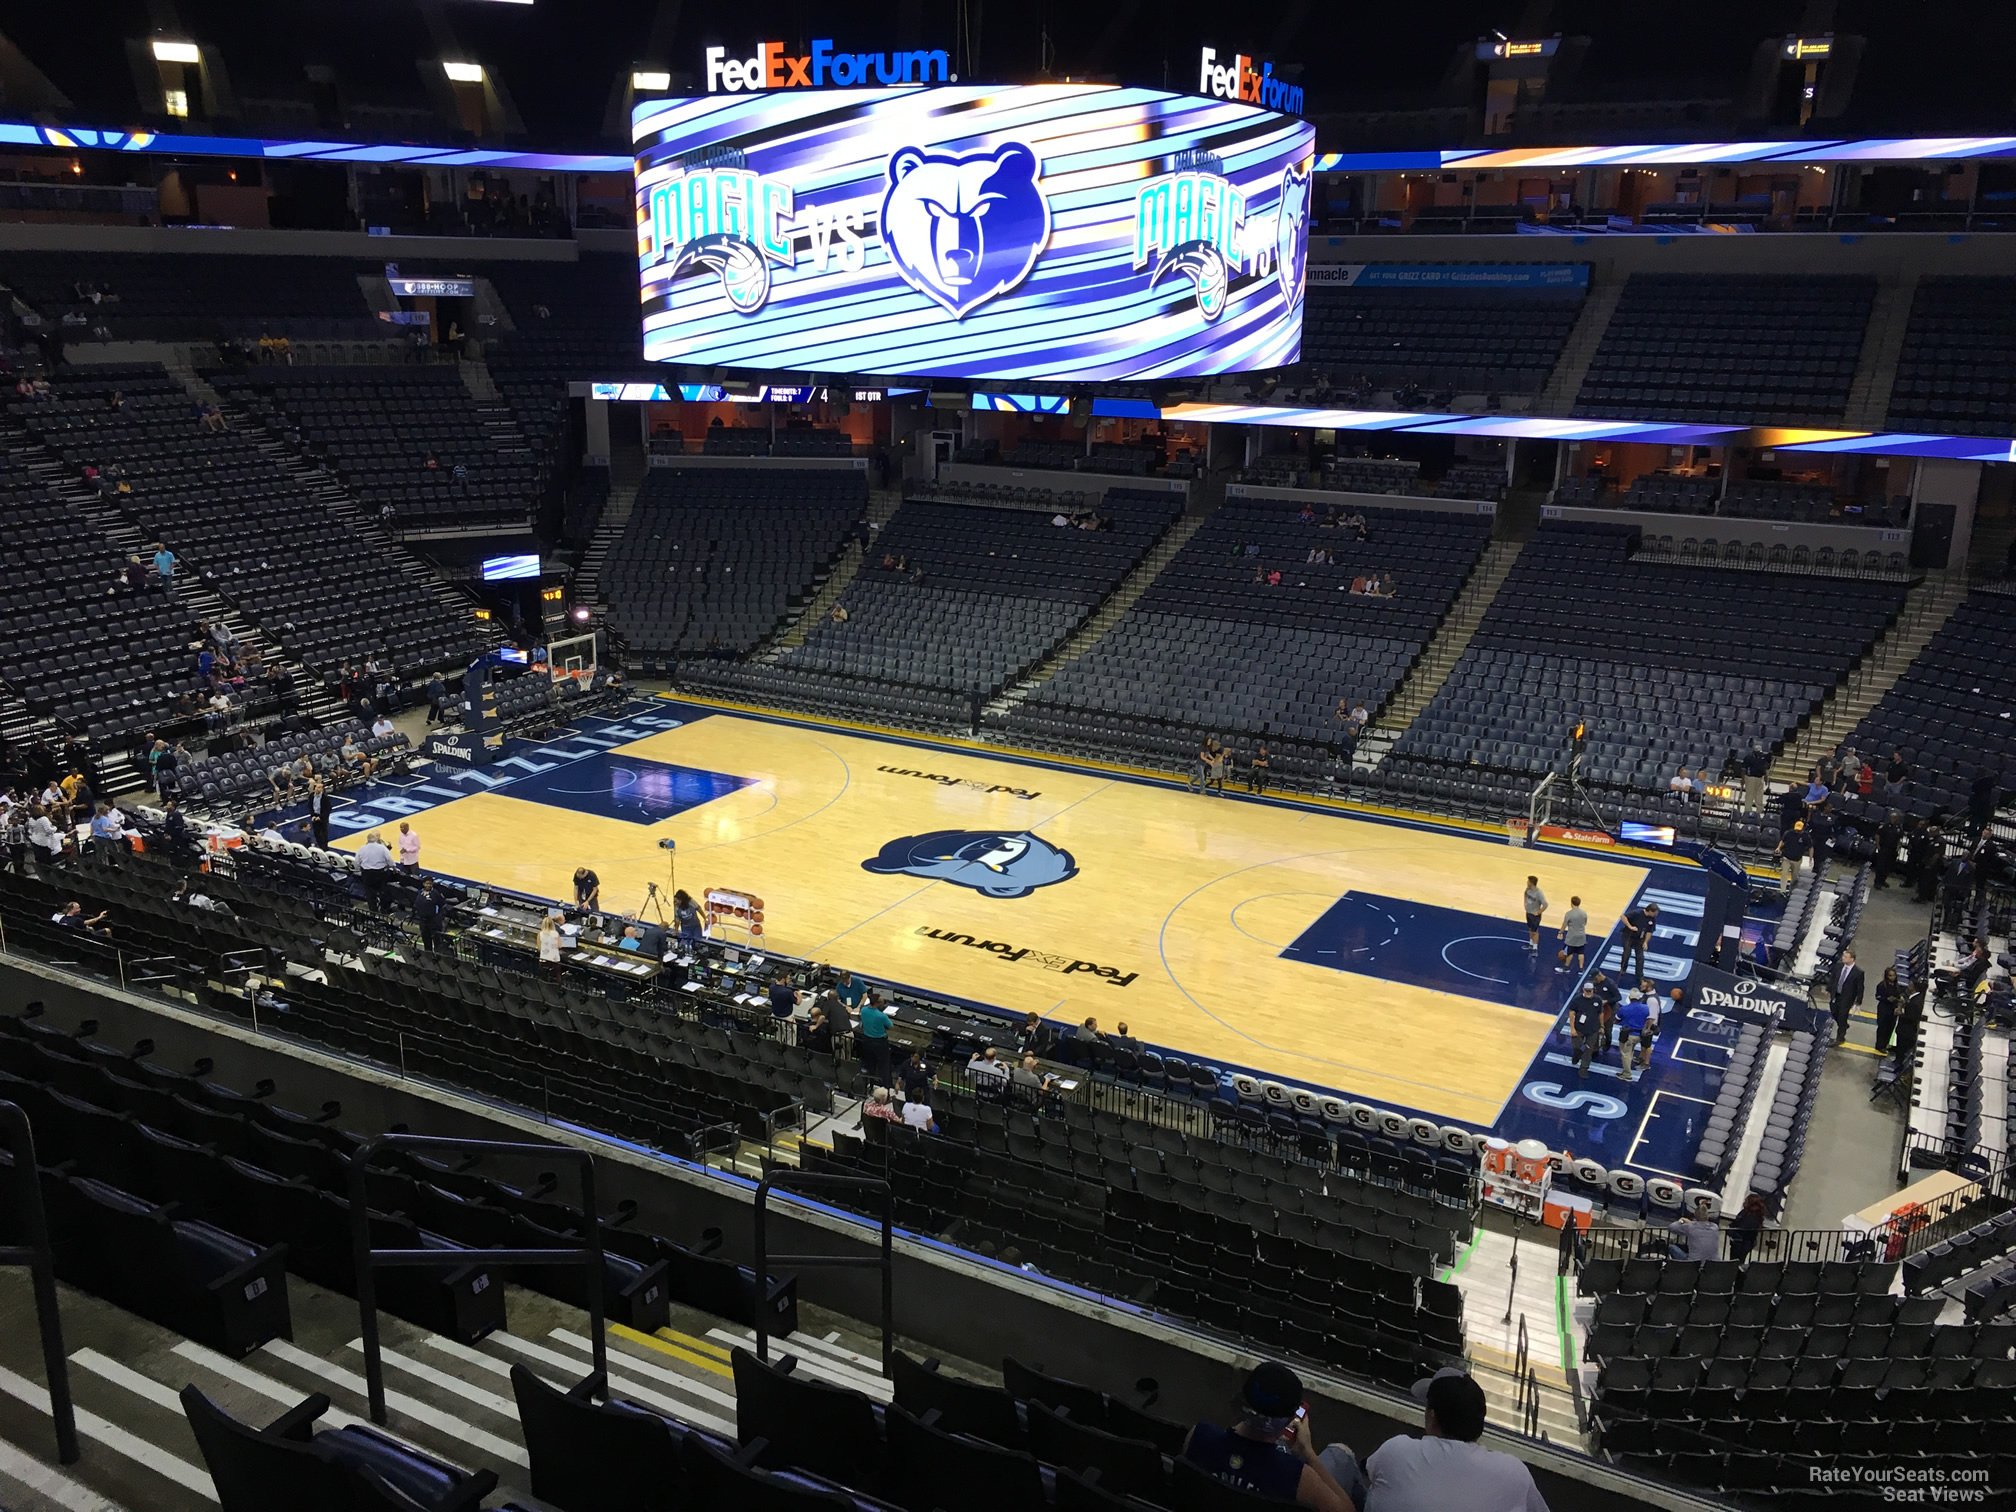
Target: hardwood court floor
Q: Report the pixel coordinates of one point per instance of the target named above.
(1175, 919)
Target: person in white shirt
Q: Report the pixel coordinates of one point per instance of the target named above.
(549, 944)
(382, 727)
(374, 865)
(409, 848)
(1679, 783)
(45, 836)
(917, 1115)
(1446, 1468)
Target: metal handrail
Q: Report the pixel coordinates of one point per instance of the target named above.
(806, 1183)
(367, 1258)
(39, 1256)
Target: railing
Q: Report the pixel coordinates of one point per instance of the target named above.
(1904, 1234)
(1526, 1386)
(39, 1257)
(810, 1182)
(367, 1258)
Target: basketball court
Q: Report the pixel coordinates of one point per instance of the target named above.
(1379, 959)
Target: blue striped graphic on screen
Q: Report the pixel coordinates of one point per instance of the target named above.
(972, 231)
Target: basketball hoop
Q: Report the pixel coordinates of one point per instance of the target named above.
(1515, 831)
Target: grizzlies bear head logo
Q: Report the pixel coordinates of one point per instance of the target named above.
(1001, 864)
(1291, 236)
(962, 228)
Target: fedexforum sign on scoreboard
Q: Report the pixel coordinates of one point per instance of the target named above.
(822, 66)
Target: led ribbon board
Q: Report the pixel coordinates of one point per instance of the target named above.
(1046, 231)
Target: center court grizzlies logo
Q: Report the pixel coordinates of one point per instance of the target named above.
(999, 864)
(1291, 236)
(1193, 222)
(962, 228)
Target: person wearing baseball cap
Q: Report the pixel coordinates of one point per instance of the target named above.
(1269, 1451)
(1446, 1468)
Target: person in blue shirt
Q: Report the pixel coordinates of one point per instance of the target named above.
(851, 990)
(1816, 789)
(1269, 1451)
(1634, 1044)
(164, 564)
(872, 1030)
(686, 915)
(108, 835)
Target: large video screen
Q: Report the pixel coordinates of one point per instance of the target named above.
(1043, 231)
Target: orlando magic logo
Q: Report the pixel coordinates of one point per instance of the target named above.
(718, 216)
(963, 228)
(1193, 223)
(997, 863)
(1291, 236)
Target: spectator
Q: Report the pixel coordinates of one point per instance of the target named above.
(210, 417)
(1844, 993)
(987, 1070)
(437, 700)
(71, 916)
(108, 834)
(164, 565)
(409, 847)
(1681, 782)
(1257, 768)
(549, 945)
(873, 1032)
(45, 836)
(1790, 851)
(382, 728)
(1698, 1237)
(838, 614)
(818, 1035)
(783, 1000)
(878, 1105)
(320, 806)
(357, 762)
(917, 1112)
(1446, 1469)
(1747, 1227)
(1028, 1079)
(1756, 767)
(1889, 1003)
(136, 578)
(1269, 1450)
(374, 868)
(915, 1077)
(429, 910)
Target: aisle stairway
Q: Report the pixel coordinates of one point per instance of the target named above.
(1438, 659)
(1882, 344)
(1579, 350)
(628, 468)
(882, 506)
(1927, 607)
(1495, 1301)
(1106, 616)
